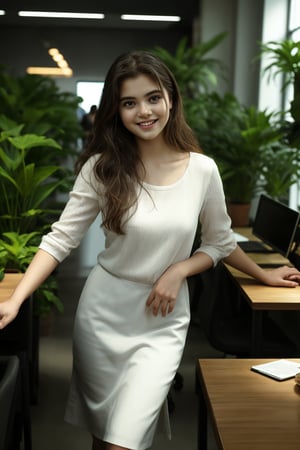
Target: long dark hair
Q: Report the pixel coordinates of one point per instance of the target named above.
(117, 168)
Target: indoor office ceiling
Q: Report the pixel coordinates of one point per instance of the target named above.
(186, 9)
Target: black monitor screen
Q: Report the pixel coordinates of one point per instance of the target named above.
(275, 224)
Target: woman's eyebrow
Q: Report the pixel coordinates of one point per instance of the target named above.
(148, 94)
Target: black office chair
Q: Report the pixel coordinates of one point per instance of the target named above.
(16, 339)
(10, 401)
(227, 320)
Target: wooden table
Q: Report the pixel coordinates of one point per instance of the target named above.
(248, 411)
(261, 297)
(8, 284)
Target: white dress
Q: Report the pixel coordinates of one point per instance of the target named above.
(125, 359)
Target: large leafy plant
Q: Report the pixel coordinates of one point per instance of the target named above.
(284, 60)
(249, 146)
(37, 103)
(25, 187)
(16, 252)
(195, 72)
(44, 110)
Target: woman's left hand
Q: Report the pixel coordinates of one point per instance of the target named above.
(283, 276)
(164, 293)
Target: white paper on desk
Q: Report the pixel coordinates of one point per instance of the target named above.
(281, 369)
(239, 237)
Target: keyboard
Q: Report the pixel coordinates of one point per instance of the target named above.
(254, 247)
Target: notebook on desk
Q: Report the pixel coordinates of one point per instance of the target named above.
(281, 369)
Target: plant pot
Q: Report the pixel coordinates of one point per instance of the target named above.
(239, 214)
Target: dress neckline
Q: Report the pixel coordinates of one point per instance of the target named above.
(168, 186)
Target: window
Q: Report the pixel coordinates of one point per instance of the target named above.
(91, 92)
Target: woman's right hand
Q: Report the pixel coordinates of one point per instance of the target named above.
(8, 312)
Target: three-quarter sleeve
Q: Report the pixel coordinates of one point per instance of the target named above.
(82, 208)
(217, 237)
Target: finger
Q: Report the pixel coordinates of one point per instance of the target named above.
(150, 299)
(155, 306)
(289, 283)
(164, 307)
(171, 307)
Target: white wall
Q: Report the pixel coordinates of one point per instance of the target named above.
(219, 16)
(242, 20)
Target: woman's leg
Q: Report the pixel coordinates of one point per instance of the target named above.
(100, 445)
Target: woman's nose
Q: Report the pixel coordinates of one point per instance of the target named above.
(144, 110)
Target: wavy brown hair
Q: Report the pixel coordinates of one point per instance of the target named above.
(117, 168)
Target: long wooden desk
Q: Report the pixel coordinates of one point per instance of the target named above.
(261, 297)
(248, 410)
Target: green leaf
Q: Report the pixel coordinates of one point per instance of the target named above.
(32, 140)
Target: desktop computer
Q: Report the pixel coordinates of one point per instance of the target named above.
(276, 225)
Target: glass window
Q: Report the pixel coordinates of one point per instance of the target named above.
(91, 92)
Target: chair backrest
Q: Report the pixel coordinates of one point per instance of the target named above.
(9, 375)
(227, 319)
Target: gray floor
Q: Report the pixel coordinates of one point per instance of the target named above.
(49, 430)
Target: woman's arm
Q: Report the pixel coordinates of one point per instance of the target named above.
(281, 276)
(164, 293)
(38, 271)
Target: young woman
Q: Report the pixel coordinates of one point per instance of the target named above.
(144, 172)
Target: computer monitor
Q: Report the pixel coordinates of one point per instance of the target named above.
(275, 224)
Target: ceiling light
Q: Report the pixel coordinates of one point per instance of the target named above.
(53, 51)
(150, 18)
(2, 12)
(61, 15)
(50, 71)
(63, 63)
(63, 69)
(57, 57)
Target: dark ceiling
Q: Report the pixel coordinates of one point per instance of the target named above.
(186, 9)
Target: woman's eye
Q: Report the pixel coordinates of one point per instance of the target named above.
(128, 104)
(155, 98)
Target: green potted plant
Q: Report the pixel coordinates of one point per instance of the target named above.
(24, 185)
(37, 103)
(251, 151)
(194, 70)
(16, 252)
(24, 190)
(285, 60)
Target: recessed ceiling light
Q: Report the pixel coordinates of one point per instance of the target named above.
(150, 18)
(2, 12)
(60, 15)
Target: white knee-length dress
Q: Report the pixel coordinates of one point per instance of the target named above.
(125, 358)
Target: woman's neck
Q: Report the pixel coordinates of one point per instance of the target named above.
(156, 151)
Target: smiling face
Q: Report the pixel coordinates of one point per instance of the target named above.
(144, 107)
